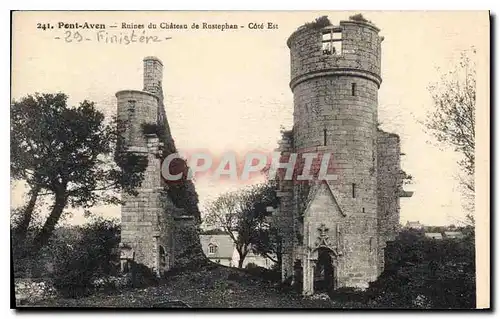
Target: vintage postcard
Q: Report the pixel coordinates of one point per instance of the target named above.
(232, 159)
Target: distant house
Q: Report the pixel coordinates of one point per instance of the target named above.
(255, 259)
(219, 249)
(414, 225)
(453, 234)
(434, 235)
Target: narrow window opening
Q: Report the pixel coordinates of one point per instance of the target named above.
(163, 257)
(130, 120)
(324, 137)
(353, 190)
(331, 42)
(363, 209)
(353, 89)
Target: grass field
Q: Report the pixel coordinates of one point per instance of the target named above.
(210, 287)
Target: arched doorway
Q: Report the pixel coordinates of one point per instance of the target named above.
(324, 271)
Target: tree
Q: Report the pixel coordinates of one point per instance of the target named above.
(269, 244)
(269, 241)
(452, 121)
(70, 153)
(242, 215)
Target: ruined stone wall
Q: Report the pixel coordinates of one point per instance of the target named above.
(335, 101)
(286, 218)
(361, 52)
(134, 108)
(388, 189)
(141, 214)
(152, 76)
(146, 227)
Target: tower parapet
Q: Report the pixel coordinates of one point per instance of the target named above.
(134, 109)
(352, 48)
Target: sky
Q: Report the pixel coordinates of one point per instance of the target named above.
(230, 89)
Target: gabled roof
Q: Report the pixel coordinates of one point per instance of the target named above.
(453, 234)
(335, 196)
(224, 243)
(434, 235)
(414, 224)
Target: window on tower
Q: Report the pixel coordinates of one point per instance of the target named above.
(130, 120)
(353, 190)
(372, 244)
(353, 89)
(332, 41)
(163, 257)
(324, 137)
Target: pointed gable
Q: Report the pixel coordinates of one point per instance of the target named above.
(323, 195)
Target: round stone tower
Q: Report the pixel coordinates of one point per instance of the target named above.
(146, 228)
(335, 77)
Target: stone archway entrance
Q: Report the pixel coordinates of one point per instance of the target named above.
(324, 271)
(320, 271)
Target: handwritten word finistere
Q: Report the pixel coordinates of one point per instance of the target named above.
(127, 37)
(110, 37)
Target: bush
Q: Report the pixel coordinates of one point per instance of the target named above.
(358, 17)
(347, 294)
(425, 273)
(319, 23)
(78, 265)
(263, 273)
(251, 265)
(153, 128)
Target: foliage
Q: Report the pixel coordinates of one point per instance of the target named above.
(91, 256)
(188, 251)
(215, 231)
(452, 120)
(153, 128)
(426, 273)
(270, 275)
(251, 266)
(71, 153)
(182, 192)
(319, 23)
(358, 17)
(420, 273)
(242, 215)
(406, 178)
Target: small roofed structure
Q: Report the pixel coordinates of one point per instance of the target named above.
(434, 235)
(453, 234)
(218, 248)
(414, 225)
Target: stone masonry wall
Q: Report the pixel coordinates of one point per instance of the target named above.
(355, 238)
(153, 75)
(135, 108)
(146, 227)
(388, 190)
(335, 101)
(361, 51)
(286, 218)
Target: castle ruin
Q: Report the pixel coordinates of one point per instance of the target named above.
(334, 232)
(150, 219)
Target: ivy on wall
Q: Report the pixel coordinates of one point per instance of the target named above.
(182, 192)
